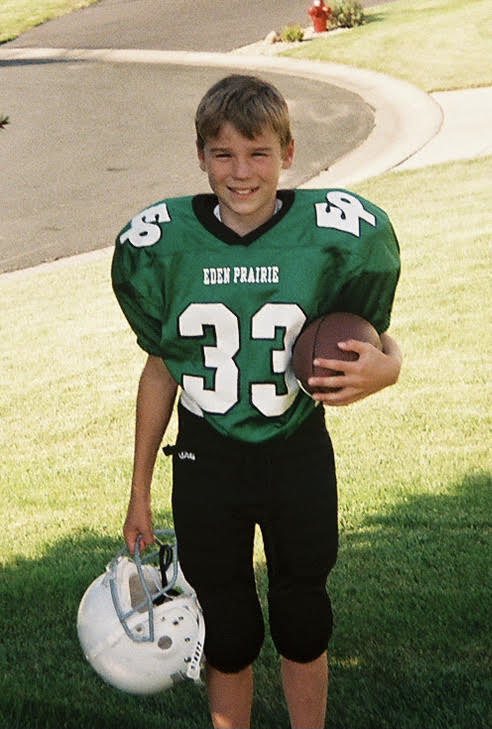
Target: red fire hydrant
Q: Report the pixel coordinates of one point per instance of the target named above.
(319, 13)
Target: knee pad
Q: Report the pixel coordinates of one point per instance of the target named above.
(301, 621)
(234, 630)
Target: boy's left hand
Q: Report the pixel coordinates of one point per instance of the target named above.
(371, 372)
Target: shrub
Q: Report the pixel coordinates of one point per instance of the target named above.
(347, 14)
(291, 34)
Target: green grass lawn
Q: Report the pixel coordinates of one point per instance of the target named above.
(17, 16)
(435, 44)
(410, 591)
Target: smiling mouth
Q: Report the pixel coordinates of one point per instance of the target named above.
(243, 192)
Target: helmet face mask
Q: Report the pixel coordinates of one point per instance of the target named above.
(140, 625)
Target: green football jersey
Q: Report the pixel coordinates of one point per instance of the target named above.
(224, 311)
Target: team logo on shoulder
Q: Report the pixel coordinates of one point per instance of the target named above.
(145, 228)
(343, 211)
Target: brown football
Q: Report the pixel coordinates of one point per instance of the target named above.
(320, 339)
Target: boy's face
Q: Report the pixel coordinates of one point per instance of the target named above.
(244, 174)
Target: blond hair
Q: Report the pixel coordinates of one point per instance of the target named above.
(249, 104)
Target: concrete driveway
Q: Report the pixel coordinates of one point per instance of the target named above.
(91, 140)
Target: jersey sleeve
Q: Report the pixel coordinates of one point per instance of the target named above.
(139, 292)
(375, 270)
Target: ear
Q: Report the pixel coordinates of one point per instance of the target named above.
(288, 157)
(201, 157)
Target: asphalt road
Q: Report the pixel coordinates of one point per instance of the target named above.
(201, 25)
(91, 143)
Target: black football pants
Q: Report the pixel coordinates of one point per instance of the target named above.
(222, 488)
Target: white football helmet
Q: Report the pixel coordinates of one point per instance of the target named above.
(141, 626)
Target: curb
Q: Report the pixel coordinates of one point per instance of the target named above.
(406, 117)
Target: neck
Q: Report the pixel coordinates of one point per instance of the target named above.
(243, 224)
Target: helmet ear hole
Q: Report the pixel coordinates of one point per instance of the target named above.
(165, 642)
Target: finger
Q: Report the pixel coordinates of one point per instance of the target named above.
(329, 364)
(338, 366)
(330, 399)
(340, 398)
(131, 541)
(332, 381)
(354, 345)
(145, 539)
(365, 351)
(132, 534)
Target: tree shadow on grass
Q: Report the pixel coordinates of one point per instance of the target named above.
(45, 680)
(409, 650)
(411, 597)
(411, 593)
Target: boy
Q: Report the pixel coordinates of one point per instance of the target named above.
(217, 288)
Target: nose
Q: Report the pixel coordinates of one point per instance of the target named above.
(241, 169)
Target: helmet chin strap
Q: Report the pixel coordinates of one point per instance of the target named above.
(165, 559)
(168, 554)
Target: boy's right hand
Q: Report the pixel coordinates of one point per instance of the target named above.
(138, 522)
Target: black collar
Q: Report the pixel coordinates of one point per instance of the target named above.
(204, 205)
